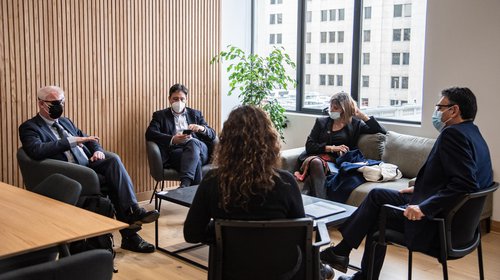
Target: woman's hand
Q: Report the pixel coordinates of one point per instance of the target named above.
(360, 115)
(341, 149)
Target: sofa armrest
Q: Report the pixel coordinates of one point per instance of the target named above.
(289, 159)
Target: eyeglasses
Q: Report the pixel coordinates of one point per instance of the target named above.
(439, 106)
(54, 102)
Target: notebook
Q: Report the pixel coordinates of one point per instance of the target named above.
(322, 209)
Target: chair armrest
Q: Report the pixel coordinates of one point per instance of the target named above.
(289, 159)
(82, 174)
(322, 236)
(383, 220)
(154, 160)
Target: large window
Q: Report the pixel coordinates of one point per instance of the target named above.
(360, 47)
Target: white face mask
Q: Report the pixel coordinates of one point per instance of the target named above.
(178, 106)
(334, 115)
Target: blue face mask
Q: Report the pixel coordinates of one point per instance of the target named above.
(436, 120)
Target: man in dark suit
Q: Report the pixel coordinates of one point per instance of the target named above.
(458, 163)
(183, 135)
(48, 135)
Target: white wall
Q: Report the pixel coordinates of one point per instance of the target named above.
(461, 49)
(236, 30)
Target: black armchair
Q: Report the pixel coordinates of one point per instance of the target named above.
(279, 249)
(94, 264)
(158, 172)
(459, 232)
(34, 172)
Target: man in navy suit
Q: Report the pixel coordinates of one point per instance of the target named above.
(459, 163)
(48, 135)
(183, 135)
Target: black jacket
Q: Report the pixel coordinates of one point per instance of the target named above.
(162, 128)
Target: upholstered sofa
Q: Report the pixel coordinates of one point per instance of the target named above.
(406, 151)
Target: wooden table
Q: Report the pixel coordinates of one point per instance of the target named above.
(30, 222)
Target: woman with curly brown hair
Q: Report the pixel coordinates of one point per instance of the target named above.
(246, 183)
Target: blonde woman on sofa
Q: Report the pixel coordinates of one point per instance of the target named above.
(331, 137)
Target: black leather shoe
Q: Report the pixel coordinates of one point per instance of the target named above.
(339, 263)
(135, 243)
(141, 216)
(356, 276)
(326, 272)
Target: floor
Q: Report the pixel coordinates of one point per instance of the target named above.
(161, 266)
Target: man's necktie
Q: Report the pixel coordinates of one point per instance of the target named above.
(77, 154)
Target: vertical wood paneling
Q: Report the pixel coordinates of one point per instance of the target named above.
(115, 60)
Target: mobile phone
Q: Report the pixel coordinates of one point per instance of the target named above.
(187, 131)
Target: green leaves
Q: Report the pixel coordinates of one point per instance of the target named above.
(256, 77)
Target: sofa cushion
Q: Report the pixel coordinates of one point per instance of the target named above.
(372, 145)
(407, 152)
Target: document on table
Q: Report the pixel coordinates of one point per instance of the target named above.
(322, 209)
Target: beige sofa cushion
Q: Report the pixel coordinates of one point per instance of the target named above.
(407, 152)
(372, 145)
(358, 195)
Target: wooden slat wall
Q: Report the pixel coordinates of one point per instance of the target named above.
(115, 60)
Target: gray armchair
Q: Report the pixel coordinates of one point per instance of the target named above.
(34, 172)
(158, 172)
(93, 264)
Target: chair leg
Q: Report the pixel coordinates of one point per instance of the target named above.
(480, 260)
(154, 191)
(162, 185)
(445, 269)
(410, 263)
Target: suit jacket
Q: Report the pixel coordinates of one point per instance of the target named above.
(39, 142)
(459, 163)
(162, 128)
(321, 132)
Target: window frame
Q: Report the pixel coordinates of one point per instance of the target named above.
(304, 17)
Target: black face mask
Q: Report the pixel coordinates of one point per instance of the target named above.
(55, 109)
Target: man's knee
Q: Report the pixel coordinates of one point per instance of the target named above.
(381, 195)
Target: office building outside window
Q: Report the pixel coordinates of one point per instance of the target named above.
(324, 15)
(340, 80)
(322, 80)
(386, 29)
(367, 36)
(366, 58)
(407, 32)
(396, 61)
(323, 36)
(367, 13)
(396, 35)
(322, 58)
(331, 81)
(396, 58)
(331, 37)
(331, 58)
(394, 82)
(406, 58)
(340, 58)
(366, 81)
(340, 36)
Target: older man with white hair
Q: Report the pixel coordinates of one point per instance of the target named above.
(48, 135)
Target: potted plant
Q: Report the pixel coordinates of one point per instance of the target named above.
(256, 77)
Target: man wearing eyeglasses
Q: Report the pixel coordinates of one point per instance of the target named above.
(458, 163)
(48, 135)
